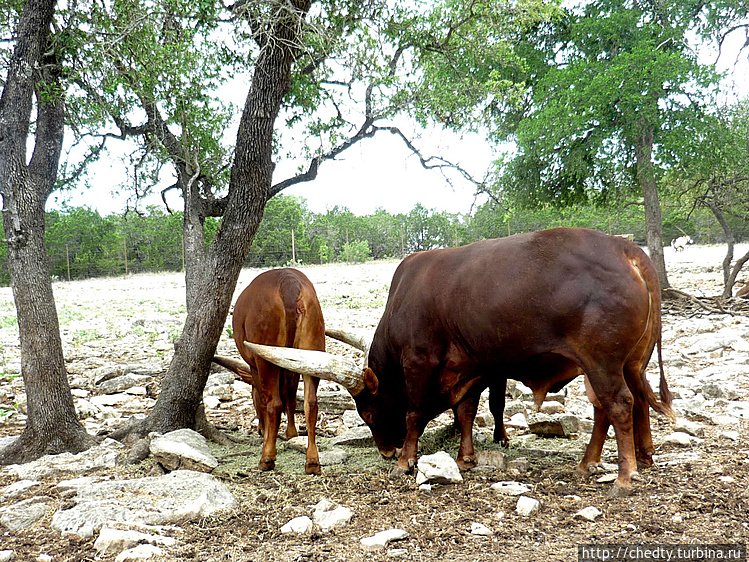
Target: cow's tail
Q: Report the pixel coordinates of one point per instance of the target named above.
(664, 405)
(291, 294)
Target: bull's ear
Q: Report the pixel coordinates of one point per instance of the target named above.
(370, 380)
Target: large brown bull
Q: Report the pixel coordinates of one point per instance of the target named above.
(537, 307)
(278, 308)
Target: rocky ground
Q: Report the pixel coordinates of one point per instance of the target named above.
(118, 336)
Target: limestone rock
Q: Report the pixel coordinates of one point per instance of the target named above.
(439, 468)
(185, 449)
(380, 540)
(527, 506)
(298, 525)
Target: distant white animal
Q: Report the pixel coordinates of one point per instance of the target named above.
(681, 242)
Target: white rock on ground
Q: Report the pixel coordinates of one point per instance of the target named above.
(111, 540)
(185, 449)
(326, 515)
(298, 525)
(481, 530)
(140, 552)
(510, 488)
(382, 539)
(590, 513)
(439, 468)
(527, 506)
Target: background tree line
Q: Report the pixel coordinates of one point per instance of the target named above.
(81, 243)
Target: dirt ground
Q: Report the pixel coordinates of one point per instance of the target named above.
(684, 504)
(688, 502)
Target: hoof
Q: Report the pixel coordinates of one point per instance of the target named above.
(589, 470)
(265, 465)
(501, 440)
(645, 461)
(399, 472)
(619, 491)
(313, 468)
(466, 463)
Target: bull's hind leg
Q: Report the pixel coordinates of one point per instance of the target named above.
(271, 396)
(616, 401)
(312, 464)
(289, 382)
(640, 427)
(633, 372)
(497, 391)
(592, 459)
(466, 413)
(257, 399)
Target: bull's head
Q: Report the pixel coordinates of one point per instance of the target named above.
(381, 406)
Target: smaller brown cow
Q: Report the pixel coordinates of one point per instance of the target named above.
(279, 308)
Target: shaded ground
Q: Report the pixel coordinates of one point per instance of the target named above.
(686, 503)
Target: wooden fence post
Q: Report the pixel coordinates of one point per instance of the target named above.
(67, 255)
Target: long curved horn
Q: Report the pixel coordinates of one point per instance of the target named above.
(354, 339)
(235, 365)
(319, 364)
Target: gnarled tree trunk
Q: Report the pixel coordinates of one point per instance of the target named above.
(52, 425)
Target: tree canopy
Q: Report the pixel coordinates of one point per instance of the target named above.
(615, 90)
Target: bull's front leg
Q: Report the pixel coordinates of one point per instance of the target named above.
(415, 425)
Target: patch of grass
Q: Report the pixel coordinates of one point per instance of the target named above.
(240, 460)
(83, 336)
(440, 439)
(9, 321)
(67, 314)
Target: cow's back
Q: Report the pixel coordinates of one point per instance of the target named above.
(279, 307)
(512, 298)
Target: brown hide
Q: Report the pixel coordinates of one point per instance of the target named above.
(537, 307)
(280, 308)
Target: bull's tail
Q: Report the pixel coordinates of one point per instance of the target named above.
(291, 295)
(664, 405)
(652, 284)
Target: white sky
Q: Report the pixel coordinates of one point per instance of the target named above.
(382, 172)
(377, 172)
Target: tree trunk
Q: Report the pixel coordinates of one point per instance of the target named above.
(729, 273)
(653, 218)
(217, 272)
(52, 425)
